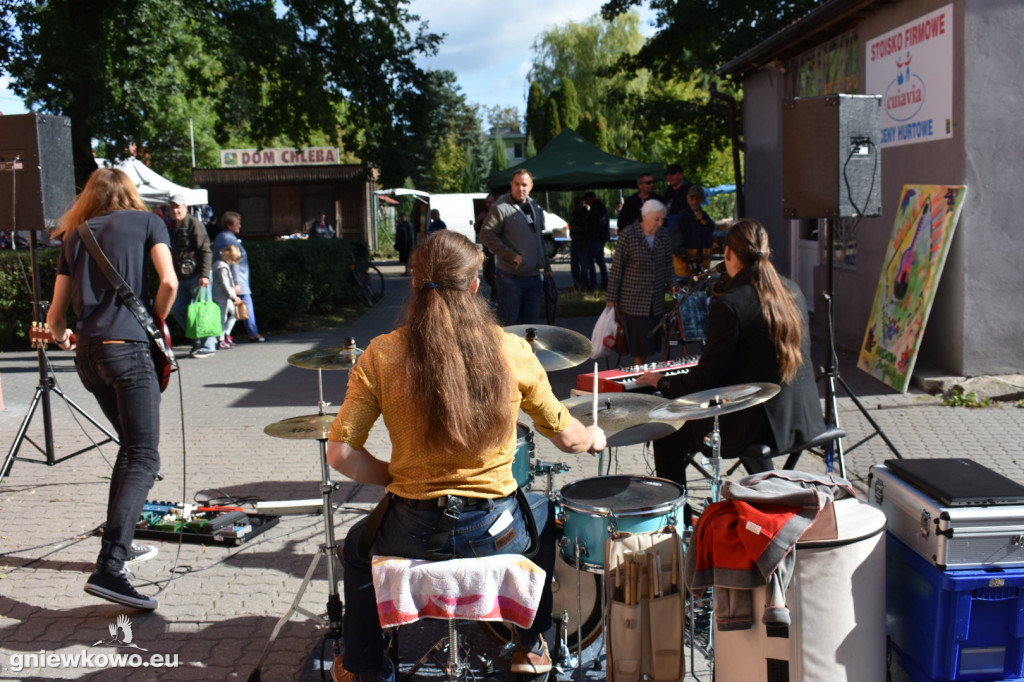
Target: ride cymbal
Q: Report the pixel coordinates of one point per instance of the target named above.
(309, 427)
(624, 417)
(556, 347)
(343, 357)
(716, 401)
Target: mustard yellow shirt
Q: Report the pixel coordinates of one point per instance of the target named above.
(378, 386)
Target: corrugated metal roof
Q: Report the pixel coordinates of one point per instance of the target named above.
(214, 176)
(828, 20)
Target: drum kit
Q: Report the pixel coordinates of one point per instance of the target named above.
(591, 510)
(588, 510)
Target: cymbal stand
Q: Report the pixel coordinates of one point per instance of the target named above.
(333, 619)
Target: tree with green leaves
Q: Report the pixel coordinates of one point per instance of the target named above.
(574, 66)
(132, 74)
(702, 35)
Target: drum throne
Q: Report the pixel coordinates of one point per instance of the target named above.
(503, 587)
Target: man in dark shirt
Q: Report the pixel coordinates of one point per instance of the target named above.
(193, 261)
(678, 186)
(630, 212)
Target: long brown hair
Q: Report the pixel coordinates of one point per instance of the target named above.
(108, 189)
(458, 371)
(748, 241)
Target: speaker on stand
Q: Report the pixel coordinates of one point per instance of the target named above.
(37, 182)
(831, 170)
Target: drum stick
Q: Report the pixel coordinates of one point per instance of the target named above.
(594, 408)
(675, 567)
(650, 575)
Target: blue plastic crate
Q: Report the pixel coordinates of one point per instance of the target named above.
(954, 626)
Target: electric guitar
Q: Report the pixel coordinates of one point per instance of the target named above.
(40, 334)
(163, 353)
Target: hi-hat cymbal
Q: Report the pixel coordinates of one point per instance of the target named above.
(624, 417)
(343, 357)
(556, 347)
(309, 427)
(716, 401)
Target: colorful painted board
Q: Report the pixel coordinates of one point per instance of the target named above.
(921, 236)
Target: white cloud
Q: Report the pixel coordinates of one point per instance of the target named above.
(488, 45)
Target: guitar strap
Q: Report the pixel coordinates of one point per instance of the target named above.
(136, 307)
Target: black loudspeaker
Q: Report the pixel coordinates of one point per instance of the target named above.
(830, 156)
(37, 174)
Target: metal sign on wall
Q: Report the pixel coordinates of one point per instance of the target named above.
(303, 156)
(911, 67)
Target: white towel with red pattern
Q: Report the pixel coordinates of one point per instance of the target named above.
(503, 587)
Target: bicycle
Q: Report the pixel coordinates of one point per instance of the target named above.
(368, 281)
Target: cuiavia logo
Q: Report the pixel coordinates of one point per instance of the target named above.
(120, 634)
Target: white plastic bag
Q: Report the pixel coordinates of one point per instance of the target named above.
(603, 338)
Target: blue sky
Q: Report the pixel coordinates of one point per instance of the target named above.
(487, 44)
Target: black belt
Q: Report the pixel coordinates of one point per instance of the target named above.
(441, 503)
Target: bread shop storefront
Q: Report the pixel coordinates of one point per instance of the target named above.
(280, 191)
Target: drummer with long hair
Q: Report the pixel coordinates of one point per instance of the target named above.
(449, 383)
(757, 332)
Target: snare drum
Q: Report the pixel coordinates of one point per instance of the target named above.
(522, 465)
(594, 508)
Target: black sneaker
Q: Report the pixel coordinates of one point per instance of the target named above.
(116, 588)
(140, 553)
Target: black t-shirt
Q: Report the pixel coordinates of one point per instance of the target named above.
(126, 237)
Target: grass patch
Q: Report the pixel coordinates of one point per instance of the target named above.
(576, 303)
(959, 399)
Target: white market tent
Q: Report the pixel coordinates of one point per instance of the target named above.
(154, 188)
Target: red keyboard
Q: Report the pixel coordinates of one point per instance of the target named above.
(624, 378)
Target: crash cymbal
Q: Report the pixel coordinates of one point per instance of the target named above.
(343, 357)
(556, 348)
(309, 427)
(716, 401)
(624, 417)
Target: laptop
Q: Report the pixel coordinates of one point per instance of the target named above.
(957, 482)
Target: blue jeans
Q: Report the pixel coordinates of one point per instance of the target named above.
(404, 532)
(595, 256)
(187, 289)
(123, 379)
(519, 298)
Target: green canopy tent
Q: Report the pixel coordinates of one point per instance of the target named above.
(569, 162)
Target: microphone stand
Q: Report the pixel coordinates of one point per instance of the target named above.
(830, 372)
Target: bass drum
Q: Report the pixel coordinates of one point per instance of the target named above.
(563, 591)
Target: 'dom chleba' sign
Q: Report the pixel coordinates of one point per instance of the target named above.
(304, 156)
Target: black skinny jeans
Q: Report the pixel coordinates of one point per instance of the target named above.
(123, 379)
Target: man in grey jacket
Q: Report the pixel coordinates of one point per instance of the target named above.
(513, 231)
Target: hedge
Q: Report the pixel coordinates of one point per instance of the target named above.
(289, 279)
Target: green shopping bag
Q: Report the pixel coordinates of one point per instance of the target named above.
(203, 316)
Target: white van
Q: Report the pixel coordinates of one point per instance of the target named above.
(458, 211)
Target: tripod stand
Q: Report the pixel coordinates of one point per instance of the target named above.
(830, 372)
(47, 385)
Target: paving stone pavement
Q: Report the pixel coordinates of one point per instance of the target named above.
(219, 604)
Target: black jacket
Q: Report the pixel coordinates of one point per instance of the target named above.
(739, 350)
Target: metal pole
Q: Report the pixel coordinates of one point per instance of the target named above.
(192, 136)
